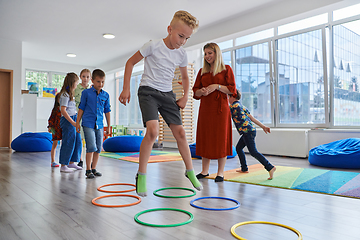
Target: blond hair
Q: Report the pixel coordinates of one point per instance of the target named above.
(187, 18)
(219, 65)
(85, 70)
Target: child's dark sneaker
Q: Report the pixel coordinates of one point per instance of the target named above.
(200, 176)
(96, 173)
(219, 179)
(89, 174)
(80, 164)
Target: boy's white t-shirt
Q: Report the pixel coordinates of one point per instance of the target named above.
(160, 64)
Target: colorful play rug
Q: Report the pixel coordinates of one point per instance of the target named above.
(156, 156)
(306, 179)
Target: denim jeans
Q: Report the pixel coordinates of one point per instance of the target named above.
(70, 150)
(93, 139)
(248, 139)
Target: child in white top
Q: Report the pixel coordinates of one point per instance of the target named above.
(70, 150)
(155, 92)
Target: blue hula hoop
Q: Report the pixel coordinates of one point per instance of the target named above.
(215, 209)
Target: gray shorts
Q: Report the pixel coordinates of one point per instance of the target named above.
(152, 101)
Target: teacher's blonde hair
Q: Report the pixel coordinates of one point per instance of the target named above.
(219, 65)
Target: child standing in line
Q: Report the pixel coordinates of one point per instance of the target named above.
(244, 123)
(94, 103)
(85, 76)
(54, 128)
(155, 92)
(70, 150)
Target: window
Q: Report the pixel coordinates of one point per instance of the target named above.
(346, 12)
(129, 115)
(254, 37)
(300, 81)
(252, 80)
(43, 80)
(304, 23)
(226, 44)
(346, 68)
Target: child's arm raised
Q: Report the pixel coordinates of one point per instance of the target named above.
(186, 86)
(66, 115)
(125, 94)
(257, 122)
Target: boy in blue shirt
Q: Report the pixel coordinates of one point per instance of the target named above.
(244, 123)
(93, 104)
(155, 92)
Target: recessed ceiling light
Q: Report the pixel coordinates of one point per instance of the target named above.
(71, 55)
(108, 35)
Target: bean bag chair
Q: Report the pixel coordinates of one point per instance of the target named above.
(343, 153)
(193, 151)
(32, 142)
(125, 143)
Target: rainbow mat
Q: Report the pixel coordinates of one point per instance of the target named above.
(306, 179)
(156, 156)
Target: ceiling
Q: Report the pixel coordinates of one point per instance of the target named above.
(49, 29)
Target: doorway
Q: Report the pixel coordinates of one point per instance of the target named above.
(6, 82)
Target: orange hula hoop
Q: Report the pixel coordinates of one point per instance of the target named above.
(111, 184)
(116, 195)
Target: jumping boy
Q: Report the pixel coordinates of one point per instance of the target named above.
(93, 104)
(155, 92)
(244, 123)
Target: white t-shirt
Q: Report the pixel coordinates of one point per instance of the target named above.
(160, 64)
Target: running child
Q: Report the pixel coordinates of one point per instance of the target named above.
(244, 123)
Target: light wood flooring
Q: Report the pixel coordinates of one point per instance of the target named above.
(39, 202)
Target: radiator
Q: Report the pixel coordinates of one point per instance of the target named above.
(280, 142)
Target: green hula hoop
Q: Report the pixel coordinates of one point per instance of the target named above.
(163, 225)
(190, 195)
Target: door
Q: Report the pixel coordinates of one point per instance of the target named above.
(6, 83)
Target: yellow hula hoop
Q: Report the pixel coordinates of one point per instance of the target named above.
(262, 222)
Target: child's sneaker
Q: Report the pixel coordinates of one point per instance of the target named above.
(65, 169)
(73, 165)
(80, 164)
(54, 164)
(96, 173)
(89, 174)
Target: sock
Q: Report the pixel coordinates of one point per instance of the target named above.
(141, 184)
(193, 179)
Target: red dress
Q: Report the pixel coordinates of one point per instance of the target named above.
(214, 129)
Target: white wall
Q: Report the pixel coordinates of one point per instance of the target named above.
(10, 58)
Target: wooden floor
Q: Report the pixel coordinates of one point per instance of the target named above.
(39, 202)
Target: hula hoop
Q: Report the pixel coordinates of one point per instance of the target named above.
(190, 195)
(164, 225)
(111, 184)
(115, 195)
(262, 222)
(215, 209)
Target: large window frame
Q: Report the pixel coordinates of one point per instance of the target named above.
(327, 53)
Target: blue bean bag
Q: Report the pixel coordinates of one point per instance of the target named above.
(343, 153)
(193, 151)
(125, 143)
(32, 142)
